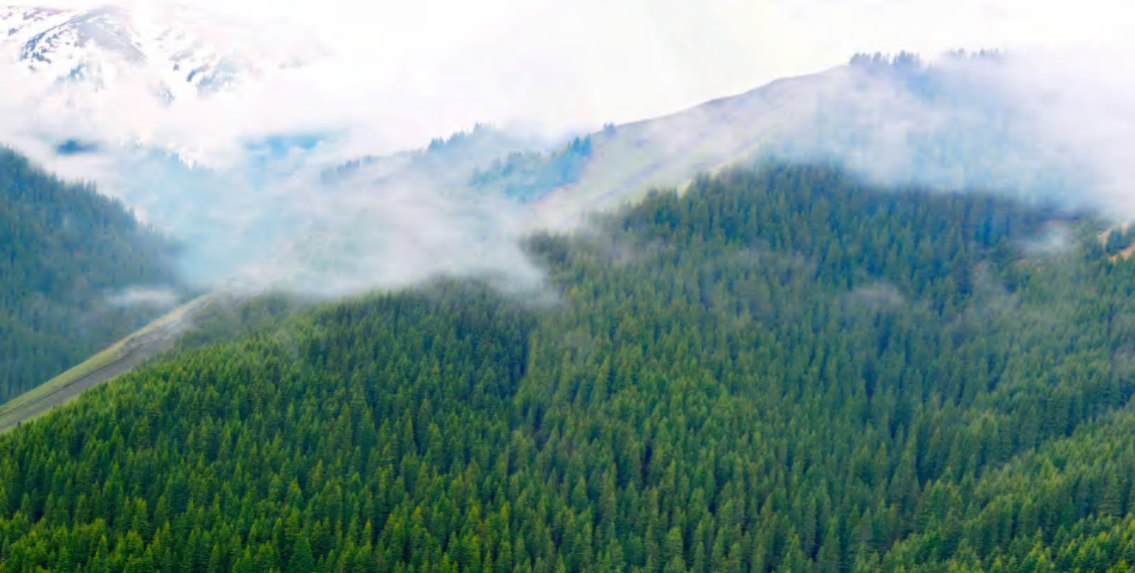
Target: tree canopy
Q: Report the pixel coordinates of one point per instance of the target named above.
(778, 370)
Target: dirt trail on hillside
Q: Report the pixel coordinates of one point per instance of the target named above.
(159, 336)
(79, 385)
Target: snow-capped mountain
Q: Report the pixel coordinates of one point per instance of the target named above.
(179, 50)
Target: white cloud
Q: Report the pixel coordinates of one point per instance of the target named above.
(933, 26)
(571, 62)
(144, 296)
(402, 73)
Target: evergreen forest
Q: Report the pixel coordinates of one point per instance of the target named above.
(781, 369)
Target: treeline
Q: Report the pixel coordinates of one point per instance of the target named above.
(911, 62)
(445, 162)
(782, 370)
(529, 176)
(65, 251)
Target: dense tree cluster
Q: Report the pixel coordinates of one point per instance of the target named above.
(63, 250)
(904, 61)
(529, 176)
(911, 62)
(1118, 239)
(446, 162)
(782, 370)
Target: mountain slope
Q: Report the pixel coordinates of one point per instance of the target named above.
(787, 370)
(893, 120)
(623, 162)
(77, 272)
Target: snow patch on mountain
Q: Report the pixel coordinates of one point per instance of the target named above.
(179, 51)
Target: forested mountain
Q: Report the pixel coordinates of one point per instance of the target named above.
(779, 370)
(68, 255)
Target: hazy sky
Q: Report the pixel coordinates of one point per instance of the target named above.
(624, 59)
(579, 63)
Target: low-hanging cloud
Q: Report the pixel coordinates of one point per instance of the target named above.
(224, 174)
(355, 237)
(156, 297)
(264, 220)
(255, 218)
(1083, 104)
(1049, 126)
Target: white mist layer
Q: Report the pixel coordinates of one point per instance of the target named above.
(358, 238)
(251, 221)
(1046, 126)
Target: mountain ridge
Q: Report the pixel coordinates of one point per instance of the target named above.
(893, 119)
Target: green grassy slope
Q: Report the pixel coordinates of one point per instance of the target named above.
(109, 363)
(669, 151)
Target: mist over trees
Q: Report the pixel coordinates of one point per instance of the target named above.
(778, 370)
(529, 176)
(446, 162)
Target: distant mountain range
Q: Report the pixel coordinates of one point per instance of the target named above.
(179, 51)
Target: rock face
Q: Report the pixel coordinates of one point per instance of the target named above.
(180, 51)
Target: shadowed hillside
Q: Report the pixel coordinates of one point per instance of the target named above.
(77, 272)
